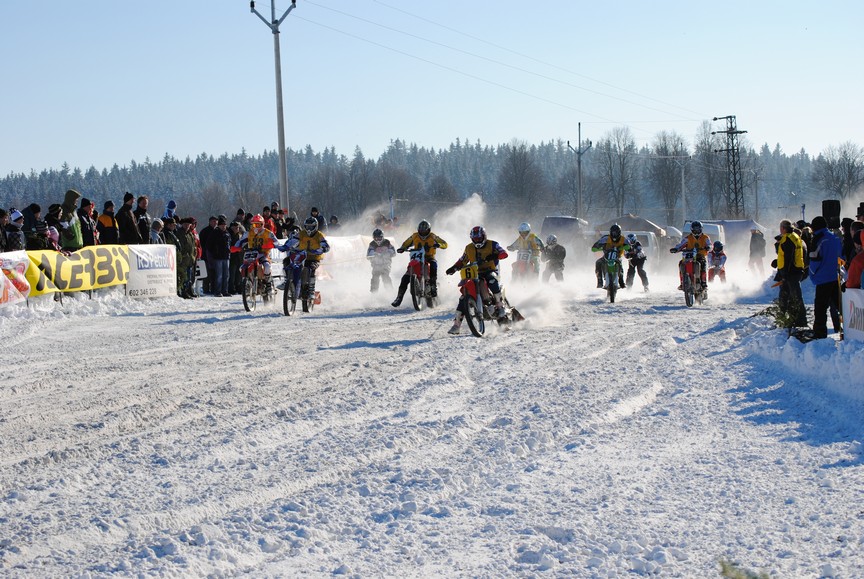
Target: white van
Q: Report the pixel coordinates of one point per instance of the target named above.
(714, 231)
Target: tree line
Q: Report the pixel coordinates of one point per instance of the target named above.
(517, 178)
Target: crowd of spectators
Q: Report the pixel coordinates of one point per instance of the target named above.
(833, 260)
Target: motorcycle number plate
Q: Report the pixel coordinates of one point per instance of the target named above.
(416, 255)
(523, 255)
(250, 255)
(470, 272)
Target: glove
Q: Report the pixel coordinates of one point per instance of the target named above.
(774, 264)
(436, 245)
(450, 270)
(511, 247)
(400, 250)
(673, 250)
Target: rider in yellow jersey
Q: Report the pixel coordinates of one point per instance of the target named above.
(605, 244)
(430, 242)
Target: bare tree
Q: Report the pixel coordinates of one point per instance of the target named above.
(617, 161)
(669, 152)
(520, 180)
(840, 169)
(245, 190)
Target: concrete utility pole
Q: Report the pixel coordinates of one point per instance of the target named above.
(579, 152)
(273, 25)
(679, 160)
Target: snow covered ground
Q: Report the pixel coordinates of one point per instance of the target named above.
(190, 438)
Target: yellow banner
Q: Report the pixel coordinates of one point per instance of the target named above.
(89, 268)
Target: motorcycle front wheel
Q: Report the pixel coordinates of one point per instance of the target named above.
(474, 317)
(417, 293)
(688, 291)
(289, 302)
(250, 292)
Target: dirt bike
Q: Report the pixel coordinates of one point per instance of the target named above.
(254, 283)
(419, 287)
(523, 267)
(293, 267)
(477, 303)
(612, 273)
(691, 277)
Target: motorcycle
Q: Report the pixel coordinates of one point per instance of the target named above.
(478, 305)
(419, 287)
(613, 274)
(523, 267)
(293, 267)
(254, 283)
(691, 278)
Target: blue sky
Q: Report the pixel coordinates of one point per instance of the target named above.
(98, 82)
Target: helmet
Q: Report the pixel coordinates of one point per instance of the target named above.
(631, 238)
(696, 228)
(718, 246)
(423, 228)
(257, 222)
(478, 236)
(378, 235)
(524, 228)
(551, 240)
(615, 232)
(310, 225)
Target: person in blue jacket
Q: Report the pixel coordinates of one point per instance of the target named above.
(825, 250)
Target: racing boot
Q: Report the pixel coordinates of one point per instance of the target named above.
(403, 286)
(433, 288)
(457, 323)
(500, 311)
(599, 282)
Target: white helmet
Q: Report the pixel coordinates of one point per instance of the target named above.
(524, 227)
(631, 238)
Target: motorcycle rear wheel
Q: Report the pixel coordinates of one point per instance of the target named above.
(250, 292)
(474, 318)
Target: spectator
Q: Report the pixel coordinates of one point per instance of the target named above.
(825, 248)
(143, 218)
(169, 233)
(106, 225)
(156, 237)
(89, 231)
(71, 238)
(334, 224)
(247, 222)
(4, 221)
(268, 220)
(39, 240)
(204, 236)
(219, 250)
(322, 224)
(790, 268)
(186, 259)
(235, 261)
(279, 221)
(291, 224)
(757, 252)
(32, 213)
(240, 217)
(170, 210)
(855, 276)
(15, 239)
(127, 222)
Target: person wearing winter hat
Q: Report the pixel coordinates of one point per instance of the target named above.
(4, 220)
(89, 232)
(15, 238)
(38, 240)
(156, 237)
(32, 213)
(170, 209)
(106, 225)
(127, 222)
(825, 249)
(322, 223)
(71, 238)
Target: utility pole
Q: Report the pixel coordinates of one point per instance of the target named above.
(679, 160)
(734, 193)
(273, 25)
(579, 152)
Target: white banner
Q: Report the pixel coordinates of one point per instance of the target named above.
(853, 314)
(152, 271)
(14, 286)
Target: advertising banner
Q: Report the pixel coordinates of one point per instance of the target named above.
(152, 271)
(853, 314)
(89, 268)
(15, 287)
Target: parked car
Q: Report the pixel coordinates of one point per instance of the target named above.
(573, 233)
